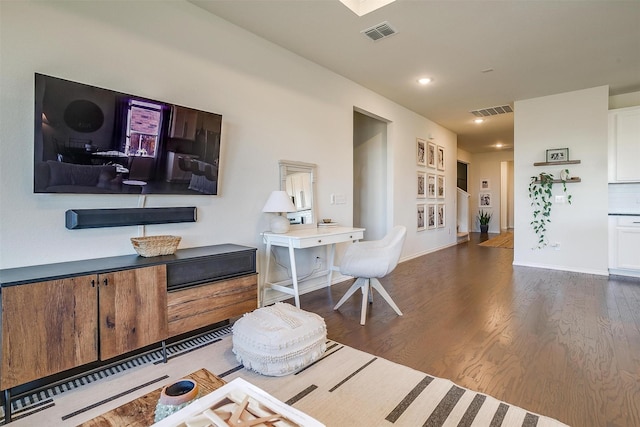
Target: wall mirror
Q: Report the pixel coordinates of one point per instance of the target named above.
(298, 179)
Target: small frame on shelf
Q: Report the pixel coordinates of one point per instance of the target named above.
(557, 155)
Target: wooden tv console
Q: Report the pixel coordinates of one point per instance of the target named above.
(61, 316)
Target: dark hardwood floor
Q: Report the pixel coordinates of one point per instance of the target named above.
(566, 345)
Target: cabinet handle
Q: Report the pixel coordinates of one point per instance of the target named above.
(105, 282)
(93, 283)
(319, 241)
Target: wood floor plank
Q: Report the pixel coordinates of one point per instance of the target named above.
(563, 344)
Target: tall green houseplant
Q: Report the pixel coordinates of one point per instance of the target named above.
(540, 193)
(484, 218)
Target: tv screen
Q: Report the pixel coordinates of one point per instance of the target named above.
(98, 141)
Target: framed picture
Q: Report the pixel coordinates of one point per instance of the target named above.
(440, 157)
(557, 155)
(485, 200)
(431, 216)
(431, 186)
(440, 186)
(421, 152)
(440, 217)
(485, 184)
(420, 217)
(422, 185)
(431, 155)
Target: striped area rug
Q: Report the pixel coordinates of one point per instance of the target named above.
(346, 387)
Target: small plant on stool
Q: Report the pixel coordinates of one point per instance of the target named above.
(484, 218)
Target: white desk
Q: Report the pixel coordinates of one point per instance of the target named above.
(305, 238)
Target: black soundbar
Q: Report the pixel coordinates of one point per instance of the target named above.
(96, 218)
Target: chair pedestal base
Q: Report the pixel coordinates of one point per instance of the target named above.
(367, 286)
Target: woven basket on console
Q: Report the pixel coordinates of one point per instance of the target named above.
(149, 246)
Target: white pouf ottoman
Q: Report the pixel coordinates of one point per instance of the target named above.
(279, 339)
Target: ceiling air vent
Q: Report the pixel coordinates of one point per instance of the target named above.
(492, 111)
(379, 31)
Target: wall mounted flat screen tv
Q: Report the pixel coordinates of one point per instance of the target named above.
(97, 141)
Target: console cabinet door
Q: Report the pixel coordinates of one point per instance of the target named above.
(47, 328)
(133, 309)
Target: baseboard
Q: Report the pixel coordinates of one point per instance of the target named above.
(563, 268)
(623, 272)
(419, 254)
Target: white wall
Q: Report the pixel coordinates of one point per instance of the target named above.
(275, 105)
(578, 121)
(624, 100)
(487, 166)
(370, 175)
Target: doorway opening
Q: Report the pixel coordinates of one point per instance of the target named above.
(370, 183)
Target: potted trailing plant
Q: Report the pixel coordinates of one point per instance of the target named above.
(484, 218)
(540, 193)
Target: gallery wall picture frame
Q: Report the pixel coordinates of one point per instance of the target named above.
(440, 208)
(421, 221)
(431, 155)
(440, 187)
(485, 184)
(422, 185)
(421, 152)
(557, 155)
(484, 200)
(431, 185)
(431, 216)
(440, 157)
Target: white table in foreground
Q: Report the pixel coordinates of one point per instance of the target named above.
(305, 238)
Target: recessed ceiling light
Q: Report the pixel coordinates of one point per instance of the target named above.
(478, 121)
(424, 81)
(499, 145)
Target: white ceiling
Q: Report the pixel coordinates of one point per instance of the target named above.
(534, 47)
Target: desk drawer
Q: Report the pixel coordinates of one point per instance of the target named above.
(329, 239)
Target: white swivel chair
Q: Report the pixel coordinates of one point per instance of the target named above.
(367, 261)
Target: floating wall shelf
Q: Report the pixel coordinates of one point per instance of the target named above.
(568, 162)
(555, 181)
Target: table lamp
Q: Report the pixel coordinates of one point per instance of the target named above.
(278, 202)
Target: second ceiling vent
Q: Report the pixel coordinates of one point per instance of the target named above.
(379, 31)
(492, 111)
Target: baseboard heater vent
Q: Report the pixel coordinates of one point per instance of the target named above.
(97, 218)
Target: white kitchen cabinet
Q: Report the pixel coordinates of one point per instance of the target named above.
(624, 245)
(624, 145)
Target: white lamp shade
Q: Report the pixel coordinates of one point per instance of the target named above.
(279, 201)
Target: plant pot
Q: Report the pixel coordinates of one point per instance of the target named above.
(484, 228)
